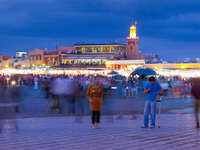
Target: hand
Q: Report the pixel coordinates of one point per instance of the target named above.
(147, 90)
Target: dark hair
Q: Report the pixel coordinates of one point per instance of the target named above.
(152, 79)
(96, 77)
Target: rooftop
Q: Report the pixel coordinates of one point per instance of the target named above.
(98, 44)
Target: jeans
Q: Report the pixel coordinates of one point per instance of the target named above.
(196, 110)
(95, 117)
(150, 109)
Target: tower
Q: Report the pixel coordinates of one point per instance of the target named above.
(132, 44)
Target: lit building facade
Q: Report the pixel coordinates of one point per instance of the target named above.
(5, 61)
(42, 58)
(94, 54)
(21, 54)
(87, 55)
(127, 65)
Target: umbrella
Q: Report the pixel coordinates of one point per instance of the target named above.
(113, 72)
(138, 71)
(149, 71)
(144, 71)
(118, 77)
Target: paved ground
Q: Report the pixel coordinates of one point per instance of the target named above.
(62, 133)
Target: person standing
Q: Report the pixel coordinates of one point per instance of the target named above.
(195, 91)
(35, 80)
(46, 87)
(152, 89)
(95, 96)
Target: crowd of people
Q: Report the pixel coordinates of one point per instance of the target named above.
(75, 88)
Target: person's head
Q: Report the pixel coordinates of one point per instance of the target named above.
(96, 80)
(152, 80)
(196, 80)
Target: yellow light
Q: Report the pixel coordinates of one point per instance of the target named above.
(13, 82)
(6, 66)
(133, 32)
(33, 65)
(43, 65)
(156, 67)
(182, 67)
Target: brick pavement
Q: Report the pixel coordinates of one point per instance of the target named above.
(62, 133)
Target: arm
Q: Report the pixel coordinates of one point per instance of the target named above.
(88, 91)
(161, 91)
(101, 89)
(147, 89)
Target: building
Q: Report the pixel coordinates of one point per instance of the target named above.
(133, 44)
(21, 54)
(36, 57)
(87, 55)
(128, 65)
(4, 61)
(42, 58)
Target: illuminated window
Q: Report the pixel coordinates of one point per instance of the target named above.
(104, 50)
(107, 50)
(88, 50)
(97, 50)
(114, 49)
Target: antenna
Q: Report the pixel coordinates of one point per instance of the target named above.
(57, 43)
(135, 23)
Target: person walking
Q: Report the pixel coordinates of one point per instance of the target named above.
(95, 96)
(152, 89)
(35, 80)
(195, 91)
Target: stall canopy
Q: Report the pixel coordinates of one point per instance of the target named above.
(144, 71)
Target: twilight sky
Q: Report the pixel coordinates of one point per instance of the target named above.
(169, 28)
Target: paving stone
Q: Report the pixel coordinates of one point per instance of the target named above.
(62, 133)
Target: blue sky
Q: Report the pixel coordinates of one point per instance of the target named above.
(169, 28)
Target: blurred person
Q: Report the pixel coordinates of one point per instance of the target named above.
(35, 80)
(152, 89)
(46, 87)
(15, 94)
(57, 89)
(165, 86)
(120, 94)
(124, 88)
(79, 97)
(95, 96)
(195, 91)
(70, 93)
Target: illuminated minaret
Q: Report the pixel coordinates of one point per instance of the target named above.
(132, 44)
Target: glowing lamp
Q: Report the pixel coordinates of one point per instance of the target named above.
(182, 67)
(13, 83)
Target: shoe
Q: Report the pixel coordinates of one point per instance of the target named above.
(93, 126)
(144, 126)
(97, 126)
(197, 126)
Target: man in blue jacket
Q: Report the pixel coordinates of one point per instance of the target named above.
(152, 89)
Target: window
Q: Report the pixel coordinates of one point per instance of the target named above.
(88, 50)
(107, 50)
(97, 50)
(104, 50)
(113, 49)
